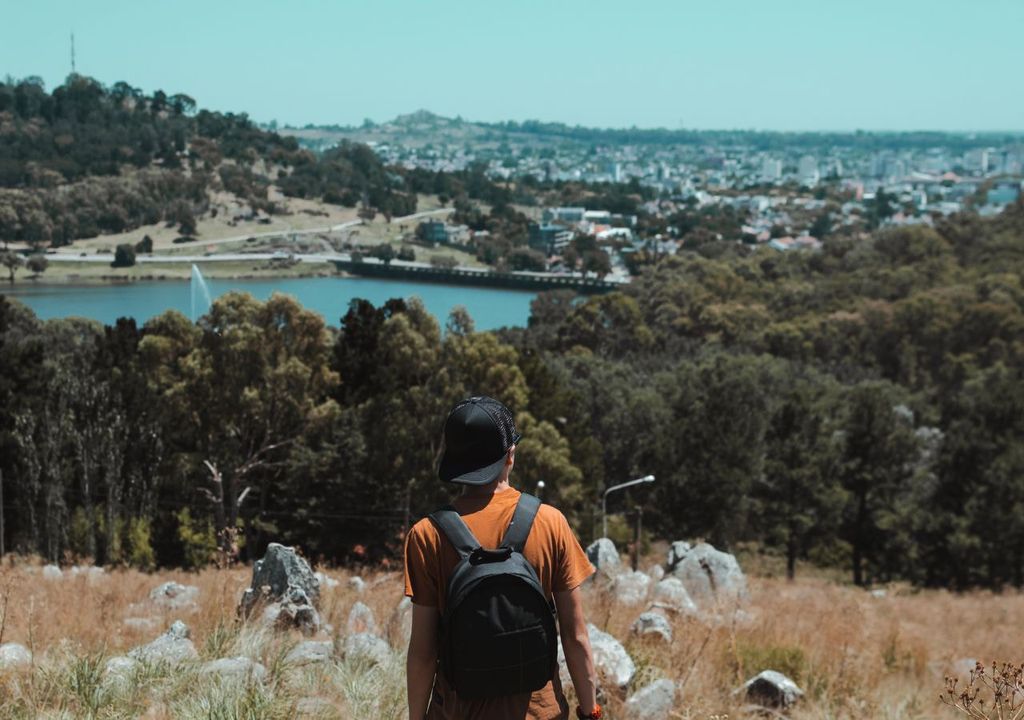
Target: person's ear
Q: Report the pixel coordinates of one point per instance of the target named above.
(510, 456)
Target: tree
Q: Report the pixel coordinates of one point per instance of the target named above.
(37, 263)
(597, 262)
(523, 258)
(444, 262)
(145, 245)
(124, 256)
(12, 261)
(384, 252)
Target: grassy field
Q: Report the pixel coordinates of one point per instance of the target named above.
(856, 655)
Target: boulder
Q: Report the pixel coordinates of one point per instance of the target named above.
(361, 620)
(653, 702)
(120, 666)
(236, 668)
(13, 655)
(277, 575)
(326, 581)
(310, 651)
(52, 572)
(93, 574)
(172, 647)
(963, 668)
(363, 647)
(711, 577)
(175, 596)
(357, 584)
(670, 594)
(676, 552)
(400, 624)
(610, 658)
(653, 623)
(604, 557)
(772, 689)
(293, 611)
(631, 588)
(656, 572)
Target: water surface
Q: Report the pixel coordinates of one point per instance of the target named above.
(490, 308)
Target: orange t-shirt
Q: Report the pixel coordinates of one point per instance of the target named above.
(553, 551)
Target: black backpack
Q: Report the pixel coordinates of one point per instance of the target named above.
(498, 632)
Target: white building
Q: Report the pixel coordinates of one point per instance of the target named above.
(807, 171)
(771, 169)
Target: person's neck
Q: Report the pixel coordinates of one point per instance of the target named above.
(493, 488)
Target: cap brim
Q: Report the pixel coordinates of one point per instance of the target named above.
(460, 473)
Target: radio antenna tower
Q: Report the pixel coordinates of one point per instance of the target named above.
(73, 72)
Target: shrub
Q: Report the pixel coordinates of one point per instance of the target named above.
(124, 256)
(198, 540)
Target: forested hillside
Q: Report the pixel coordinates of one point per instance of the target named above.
(859, 407)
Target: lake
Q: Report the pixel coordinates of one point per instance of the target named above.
(490, 308)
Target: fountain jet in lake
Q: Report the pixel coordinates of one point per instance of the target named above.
(200, 293)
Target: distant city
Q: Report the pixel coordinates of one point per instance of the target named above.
(788, 190)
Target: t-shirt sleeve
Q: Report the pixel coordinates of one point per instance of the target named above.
(421, 567)
(572, 566)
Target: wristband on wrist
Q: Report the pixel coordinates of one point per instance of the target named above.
(596, 714)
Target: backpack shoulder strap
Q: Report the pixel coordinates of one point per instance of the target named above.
(522, 522)
(451, 524)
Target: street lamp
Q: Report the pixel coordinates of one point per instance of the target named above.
(540, 486)
(613, 488)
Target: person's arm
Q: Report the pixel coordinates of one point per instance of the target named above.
(421, 662)
(576, 645)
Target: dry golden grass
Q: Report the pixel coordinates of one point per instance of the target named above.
(856, 655)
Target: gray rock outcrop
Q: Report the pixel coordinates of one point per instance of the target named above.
(604, 557)
(52, 572)
(361, 620)
(653, 702)
(310, 651)
(280, 571)
(654, 624)
(357, 584)
(610, 658)
(712, 578)
(236, 668)
(120, 667)
(656, 572)
(772, 689)
(13, 655)
(289, 589)
(175, 596)
(363, 647)
(326, 581)
(173, 647)
(631, 588)
(670, 594)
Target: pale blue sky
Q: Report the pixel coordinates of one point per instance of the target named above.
(783, 65)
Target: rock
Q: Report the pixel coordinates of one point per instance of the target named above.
(93, 574)
(277, 575)
(357, 583)
(772, 690)
(653, 623)
(400, 624)
(711, 577)
(670, 594)
(604, 557)
(172, 647)
(310, 651)
(631, 588)
(653, 702)
(879, 593)
(120, 666)
(52, 572)
(361, 620)
(294, 611)
(236, 668)
(145, 624)
(676, 552)
(610, 658)
(326, 581)
(366, 648)
(13, 655)
(656, 572)
(175, 596)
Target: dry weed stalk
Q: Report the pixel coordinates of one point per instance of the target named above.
(1004, 683)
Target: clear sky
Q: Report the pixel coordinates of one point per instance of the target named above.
(763, 64)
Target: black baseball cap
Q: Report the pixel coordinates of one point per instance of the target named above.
(477, 435)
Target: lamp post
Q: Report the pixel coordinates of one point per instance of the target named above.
(613, 488)
(540, 486)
